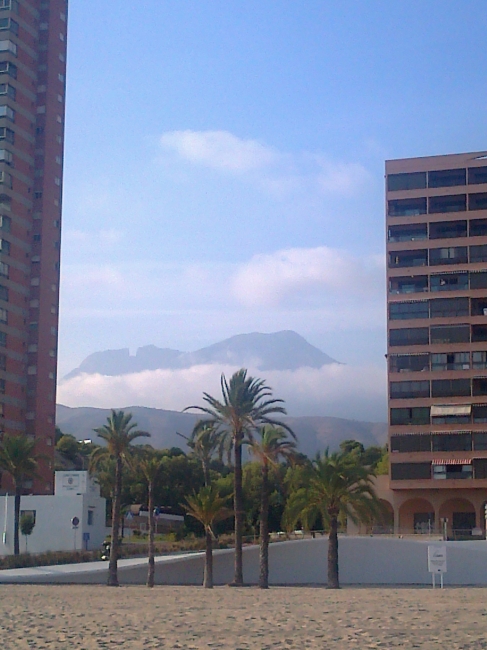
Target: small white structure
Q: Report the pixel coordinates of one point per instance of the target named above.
(76, 499)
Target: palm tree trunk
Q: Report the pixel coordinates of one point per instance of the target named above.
(150, 573)
(238, 507)
(18, 493)
(264, 529)
(117, 495)
(333, 582)
(208, 577)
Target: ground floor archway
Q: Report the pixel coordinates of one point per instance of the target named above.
(417, 516)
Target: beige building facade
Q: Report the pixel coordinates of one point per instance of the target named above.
(436, 222)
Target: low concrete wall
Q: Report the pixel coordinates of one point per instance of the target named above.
(363, 560)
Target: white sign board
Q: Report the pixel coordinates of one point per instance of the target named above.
(437, 559)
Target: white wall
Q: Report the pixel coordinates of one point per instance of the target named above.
(53, 530)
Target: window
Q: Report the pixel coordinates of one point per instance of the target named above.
(416, 284)
(8, 46)
(406, 207)
(479, 386)
(414, 415)
(90, 517)
(3, 340)
(480, 441)
(3, 362)
(407, 310)
(6, 156)
(410, 443)
(408, 258)
(452, 442)
(478, 280)
(477, 201)
(478, 253)
(480, 468)
(409, 336)
(4, 247)
(36, 238)
(449, 282)
(32, 370)
(410, 471)
(448, 229)
(452, 471)
(454, 255)
(6, 67)
(441, 334)
(7, 89)
(478, 227)
(6, 179)
(7, 134)
(454, 203)
(449, 307)
(479, 333)
(447, 178)
(6, 111)
(410, 181)
(409, 362)
(409, 389)
(479, 360)
(3, 315)
(479, 412)
(477, 175)
(407, 232)
(8, 23)
(450, 388)
(450, 361)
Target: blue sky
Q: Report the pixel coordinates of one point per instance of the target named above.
(224, 164)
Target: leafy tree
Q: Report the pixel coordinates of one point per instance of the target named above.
(273, 445)
(19, 460)
(27, 523)
(118, 433)
(336, 486)
(208, 507)
(149, 463)
(246, 404)
(352, 447)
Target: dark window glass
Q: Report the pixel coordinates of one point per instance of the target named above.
(450, 419)
(409, 363)
(409, 336)
(453, 255)
(480, 441)
(450, 334)
(477, 175)
(408, 389)
(414, 415)
(479, 386)
(3, 362)
(478, 280)
(449, 307)
(479, 333)
(452, 442)
(455, 203)
(448, 229)
(450, 361)
(3, 293)
(479, 413)
(477, 201)
(408, 232)
(417, 284)
(450, 387)
(480, 468)
(408, 258)
(478, 253)
(410, 443)
(407, 310)
(478, 306)
(449, 282)
(410, 471)
(406, 207)
(409, 181)
(3, 340)
(447, 178)
(478, 227)
(479, 360)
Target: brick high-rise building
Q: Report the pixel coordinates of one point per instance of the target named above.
(437, 341)
(32, 100)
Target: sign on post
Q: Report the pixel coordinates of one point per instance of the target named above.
(437, 562)
(74, 526)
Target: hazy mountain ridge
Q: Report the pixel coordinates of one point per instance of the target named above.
(314, 433)
(285, 350)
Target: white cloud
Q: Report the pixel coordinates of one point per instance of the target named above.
(219, 149)
(334, 390)
(296, 272)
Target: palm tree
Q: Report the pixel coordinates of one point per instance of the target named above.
(246, 404)
(150, 463)
(18, 459)
(205, 440)
(118, 433)
(336, 486)
(272, 446)
(208, 507)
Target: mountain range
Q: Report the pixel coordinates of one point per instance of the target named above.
(284, 350)
(313, 433)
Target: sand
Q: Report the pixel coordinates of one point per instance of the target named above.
(62, 616)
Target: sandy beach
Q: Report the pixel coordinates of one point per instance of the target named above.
(288, 617)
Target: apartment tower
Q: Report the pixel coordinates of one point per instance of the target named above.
(437, 342)
(32, 100)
